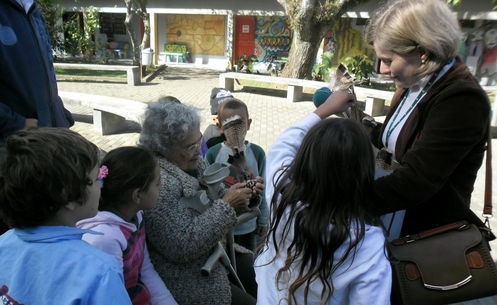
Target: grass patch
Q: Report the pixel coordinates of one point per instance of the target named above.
(98, 73)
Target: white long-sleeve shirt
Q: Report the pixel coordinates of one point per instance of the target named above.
(365, 279)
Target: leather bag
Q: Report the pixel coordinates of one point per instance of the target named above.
(440, 266)
(447, 264)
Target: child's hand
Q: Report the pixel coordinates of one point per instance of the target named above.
(336, 103)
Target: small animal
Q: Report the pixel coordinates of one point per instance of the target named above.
(344, 81)
(234, 130)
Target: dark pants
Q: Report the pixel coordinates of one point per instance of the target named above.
(246, 274)
(248, 240)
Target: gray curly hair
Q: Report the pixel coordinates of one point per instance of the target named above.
(166, 124)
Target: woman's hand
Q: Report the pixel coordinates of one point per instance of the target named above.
(336, 103)
(238, 196)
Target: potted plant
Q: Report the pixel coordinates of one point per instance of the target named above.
(245, 64)
(321, 71)
(361, 66)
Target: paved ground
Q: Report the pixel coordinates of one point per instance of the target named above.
(269, 111)
(268, 108)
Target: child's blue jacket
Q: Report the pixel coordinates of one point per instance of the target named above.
(52, 265)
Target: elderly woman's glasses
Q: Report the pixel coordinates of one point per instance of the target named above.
(193, 148)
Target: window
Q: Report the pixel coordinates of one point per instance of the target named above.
(111, 24)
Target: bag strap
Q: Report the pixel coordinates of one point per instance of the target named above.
(487, 207)
(459, 226)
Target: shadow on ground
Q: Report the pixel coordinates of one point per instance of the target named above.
(131, 126)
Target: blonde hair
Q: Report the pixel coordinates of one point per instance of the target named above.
(402, 26)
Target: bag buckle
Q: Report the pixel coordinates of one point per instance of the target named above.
(449, 287)
(463, 226)
(487, 220)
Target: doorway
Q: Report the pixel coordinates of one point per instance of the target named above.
(244, 36)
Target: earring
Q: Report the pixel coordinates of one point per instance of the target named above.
(423, 61)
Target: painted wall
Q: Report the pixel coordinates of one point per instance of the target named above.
(202, 34)
(273, 36)
(346, 40)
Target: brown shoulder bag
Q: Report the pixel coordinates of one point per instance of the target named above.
(447, 264)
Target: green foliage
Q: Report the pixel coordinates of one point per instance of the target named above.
(245, 63)
(321, 71)
(78, 39)
(361, 66)
(52, 12)
(82, 39)
(90, 73)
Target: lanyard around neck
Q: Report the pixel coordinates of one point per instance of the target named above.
(393, 124)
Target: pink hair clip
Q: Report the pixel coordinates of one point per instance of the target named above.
(102, 173)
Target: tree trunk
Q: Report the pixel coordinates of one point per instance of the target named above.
(310, 20)
(137, 8)
(146, 24)
(128, 22)
(303, 53)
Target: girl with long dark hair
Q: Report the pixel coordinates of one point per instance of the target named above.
(325, 244)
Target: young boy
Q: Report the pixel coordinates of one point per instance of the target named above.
(49, 180)
(212, 134)
(235, 122)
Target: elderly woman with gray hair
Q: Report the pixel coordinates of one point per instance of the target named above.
(182, 238)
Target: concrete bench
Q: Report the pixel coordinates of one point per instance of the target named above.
(133, 72)
(109, 113)
(168, 57)
(375, 99)
(173, 53)
(492, 90)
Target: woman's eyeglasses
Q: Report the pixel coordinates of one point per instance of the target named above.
(193, 148)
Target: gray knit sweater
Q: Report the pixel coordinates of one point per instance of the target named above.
(180, 239)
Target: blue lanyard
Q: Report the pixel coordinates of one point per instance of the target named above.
(391, 125)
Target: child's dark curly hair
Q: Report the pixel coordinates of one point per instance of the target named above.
(43, 170)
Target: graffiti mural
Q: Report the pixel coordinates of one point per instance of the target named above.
(347, 41)
(273, 37)
(329, 42)
(202, 34)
